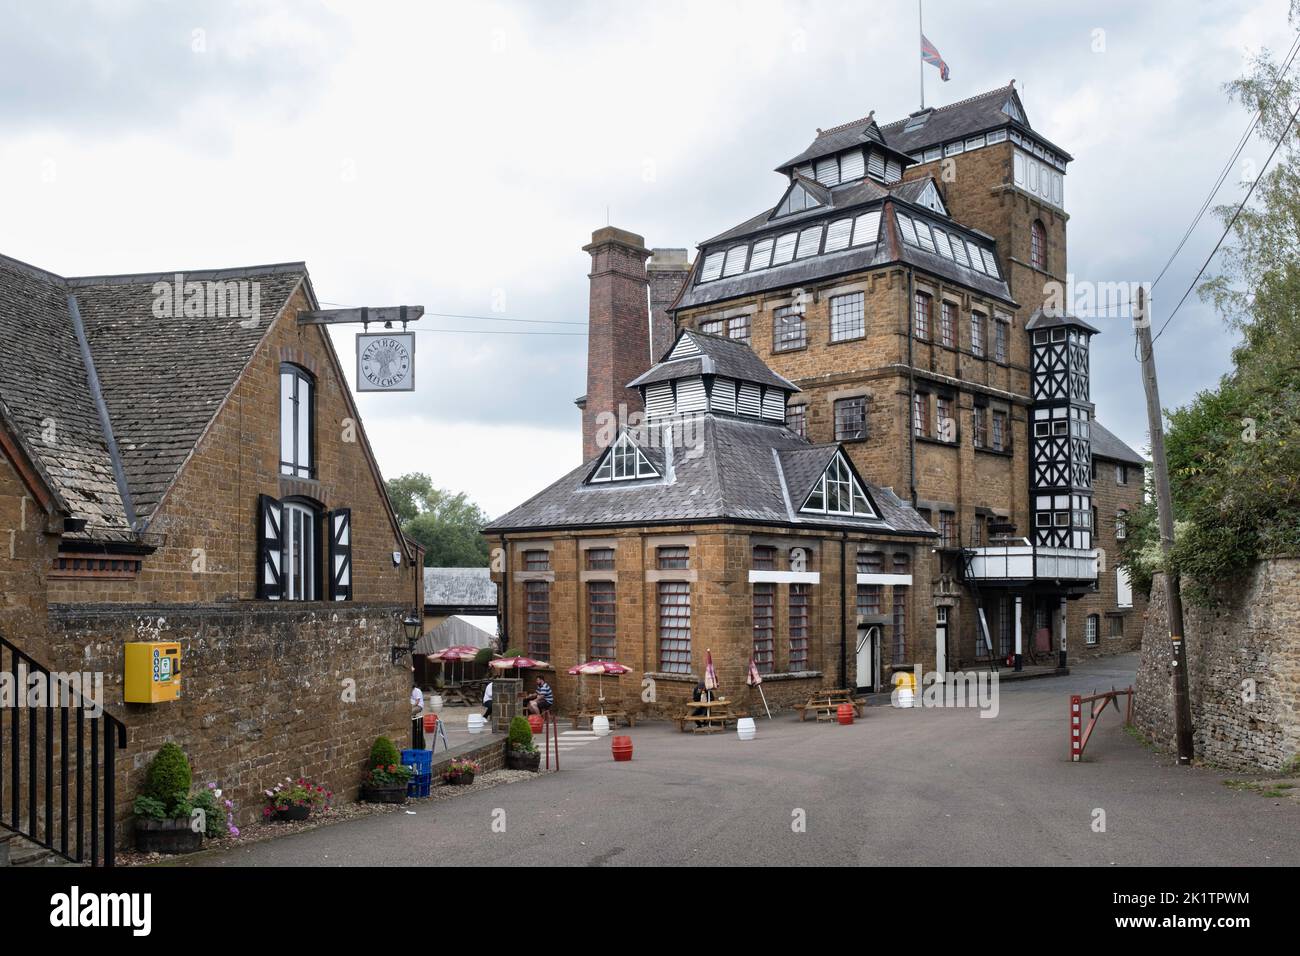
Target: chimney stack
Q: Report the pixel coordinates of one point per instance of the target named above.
(618, 333)
(668, 269)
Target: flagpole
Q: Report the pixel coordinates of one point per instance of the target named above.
(920, 40)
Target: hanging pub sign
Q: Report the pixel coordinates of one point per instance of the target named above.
(386, 362)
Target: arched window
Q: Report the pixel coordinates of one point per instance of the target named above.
(297, 389)
(1038, 246)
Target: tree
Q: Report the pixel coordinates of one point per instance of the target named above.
(1234, 451)
(449, 526)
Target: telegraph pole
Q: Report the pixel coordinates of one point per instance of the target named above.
(1164, 501)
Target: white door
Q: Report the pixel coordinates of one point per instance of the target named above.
(941, 641)
(867, 637)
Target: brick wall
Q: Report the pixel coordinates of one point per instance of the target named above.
(618, 339)
(1243, 672)
(720, 558)
(205, 526)
(268, 690)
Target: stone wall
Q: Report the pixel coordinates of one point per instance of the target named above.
(1255, 639)
(268, 690)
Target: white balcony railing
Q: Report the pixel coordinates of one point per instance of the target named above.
(1019, 560)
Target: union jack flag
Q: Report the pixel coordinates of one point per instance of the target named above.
(930, 55)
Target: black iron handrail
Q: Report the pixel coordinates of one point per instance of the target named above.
(30, 811)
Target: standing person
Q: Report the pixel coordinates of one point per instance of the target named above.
(487, 701)
(417, 718)
(542, 699)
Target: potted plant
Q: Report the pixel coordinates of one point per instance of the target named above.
(521, 752)
(461, 772)
(386, 780)
(294, 800)
(164, 809)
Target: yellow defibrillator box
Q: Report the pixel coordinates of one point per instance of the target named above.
(153, 672)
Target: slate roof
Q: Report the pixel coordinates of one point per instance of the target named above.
(741, 470)
(1105, 444)
(976, 114)
(162, 380)
(719, 355)
(459, 587)
(1050, 319)
(859, 132)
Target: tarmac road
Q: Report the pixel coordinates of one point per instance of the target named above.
(920, 786)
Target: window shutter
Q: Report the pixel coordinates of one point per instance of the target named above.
(270, 548)
(340, 525)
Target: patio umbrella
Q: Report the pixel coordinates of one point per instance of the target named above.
(458, 652)
(600, 668)
(710, 675)
(755, 679)
(518, 663)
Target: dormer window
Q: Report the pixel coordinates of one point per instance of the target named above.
(624, 462)
(797, 200)
(838, 492)
(916, 121)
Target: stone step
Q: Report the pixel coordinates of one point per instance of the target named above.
(16, 850)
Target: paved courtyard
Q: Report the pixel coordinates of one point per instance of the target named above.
(898, 787)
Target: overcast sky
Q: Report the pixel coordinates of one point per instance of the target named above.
(458, 156)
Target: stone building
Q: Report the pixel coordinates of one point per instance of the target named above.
(907, 284)
(711, 527)
(210, 483)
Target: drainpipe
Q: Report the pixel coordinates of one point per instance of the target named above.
(911, 389)
(505, 596)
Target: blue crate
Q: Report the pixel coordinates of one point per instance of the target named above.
(420, 785)
(421, 760)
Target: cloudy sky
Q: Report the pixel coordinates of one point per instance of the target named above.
(458, 155)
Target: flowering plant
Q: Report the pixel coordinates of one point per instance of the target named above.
(296, 793)
(460, 768)
(392, 775)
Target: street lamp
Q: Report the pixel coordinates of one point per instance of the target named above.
(411, 626)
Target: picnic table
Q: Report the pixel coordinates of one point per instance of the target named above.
(713, 720)
(825, 703)
(468, 693)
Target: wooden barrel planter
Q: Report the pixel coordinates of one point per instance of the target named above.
(523, 760)
(622, 748)
(166, 836)
(395, 794)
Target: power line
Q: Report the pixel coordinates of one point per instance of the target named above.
(497, 332)
(484, 318)
(1227, 167)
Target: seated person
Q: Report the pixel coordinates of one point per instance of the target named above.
(698, 695)
(542, 699)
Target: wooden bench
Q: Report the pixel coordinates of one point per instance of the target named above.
(714, 719)
(826, 705)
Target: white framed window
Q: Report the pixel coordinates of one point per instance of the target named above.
(866, 228)
(712, 267)
(300, 555)
(838, 492)
(784, 251)
(735, 263)
(837, 236)
(810, 241)
(297, 389)
(1091, 629)
(624, 462)
(848, 317)
(762, 256)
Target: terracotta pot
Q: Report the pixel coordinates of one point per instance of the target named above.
(622, 748)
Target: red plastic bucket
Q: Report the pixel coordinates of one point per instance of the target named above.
(845, 713)
(622, 748)
(430, 723)
(535, 722)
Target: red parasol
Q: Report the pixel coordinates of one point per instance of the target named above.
(600, 668)
(518, 663)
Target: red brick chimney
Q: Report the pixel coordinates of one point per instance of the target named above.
(668, 269)
(618, 333)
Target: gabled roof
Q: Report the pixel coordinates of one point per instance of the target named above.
(459, 587)
(28, 466)
(160, 380)
(976, 114)
(859, 132)
(1105, 444)
(712, 355)
(740, 470)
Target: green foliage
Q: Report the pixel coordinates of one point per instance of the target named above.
(384, 752)
(1234, 451)
(169, 777)
(521, 735)
(449, 526)
(214, 813)
(149, 808)
(383, 776)
(484, 655)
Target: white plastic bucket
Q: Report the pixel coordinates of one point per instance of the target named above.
(600, 725)
(475, 724)
(905, 697)
(746, 729)
(435, 703)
